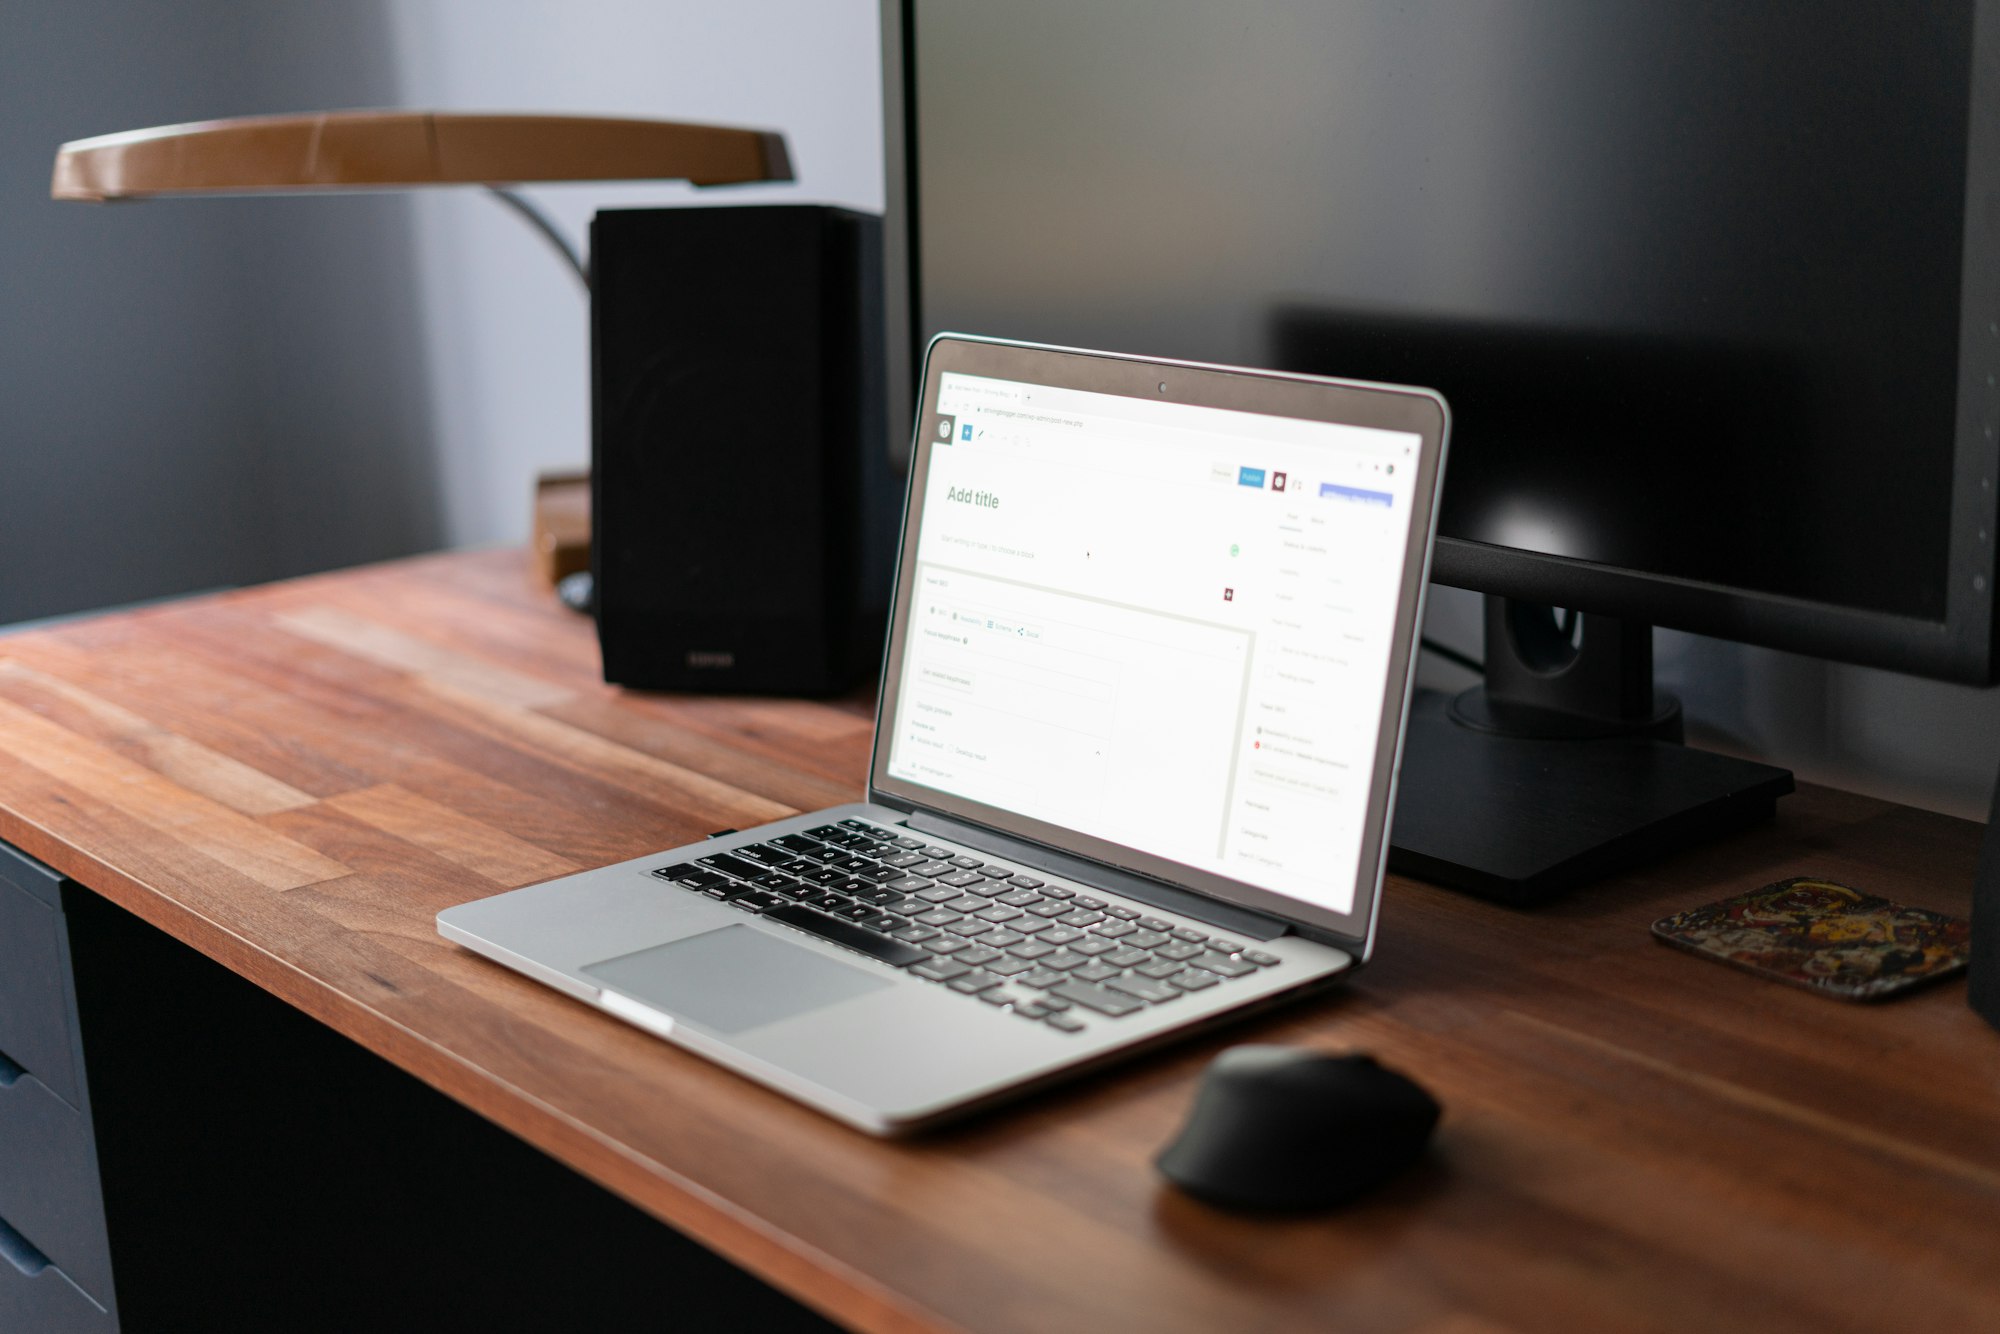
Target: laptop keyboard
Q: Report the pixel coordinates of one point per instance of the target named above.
(1040, 951)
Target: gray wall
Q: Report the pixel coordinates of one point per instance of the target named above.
(223, 391)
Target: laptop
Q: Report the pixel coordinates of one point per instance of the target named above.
(1136, 744)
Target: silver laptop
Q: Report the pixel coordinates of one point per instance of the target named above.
(1135, 751)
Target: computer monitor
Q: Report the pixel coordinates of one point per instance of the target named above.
(1714, 293)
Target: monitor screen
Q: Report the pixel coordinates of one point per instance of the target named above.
(1162, 625)
(1690, 276)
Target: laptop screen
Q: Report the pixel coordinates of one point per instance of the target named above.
(1161, 625)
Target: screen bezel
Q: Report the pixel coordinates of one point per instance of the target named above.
(1963, 647)
(1387, 407)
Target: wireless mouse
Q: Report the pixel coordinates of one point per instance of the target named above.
(1283, 1129)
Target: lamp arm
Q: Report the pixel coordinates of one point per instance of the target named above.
(540, 222)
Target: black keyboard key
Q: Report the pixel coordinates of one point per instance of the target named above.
(1030, 949)
(995, 872)
(1115, 930)
(902, 859)
(939, 970)
(1081, 917)
(766, 854)
(799, 866)
(1003, 938)
(859, 826)
(991, 889)
(968, 926)
(1048, 908)
(1064, 1023)
(1060, 935)
(826, 877)
(851, 863)
(1020, 898)
(878, 896)
(974, 981)
(1057, 892)
(798, 843)
(1008, 966)
(940, 853)
(1159, 970)
(731, 865)
(1194, 980)
(1262, 959)
(854, 912)
(947, 945)
(1144, 988)
(1092, 946)
(1028, 1009)
(937, 917)
(1094, 997)
(1223, 964)
(966, 903)
(1146, 940)
(678, 871)
(895, 953)
(1085, 901)
(824, 831)
(908, 907)
(1042, 979)
(998, 996)
(1025, 882)
(1178, 950)
(754, 900)
(1064, 960)
(1221, 946)
(911, 884)
(881, 921)
(997, 913)
(979, 956)
(1127, 958)
(774, 880)
(941, 894)
(1122, 913)
(1157, 924)
(960, 878)
(1189, 934)
(1096, 972)
(967, 863)
(912, 844)
(881, 875)
(916, 935)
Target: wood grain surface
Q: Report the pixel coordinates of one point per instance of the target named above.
(295, 779)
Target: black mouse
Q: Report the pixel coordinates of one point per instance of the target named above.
(1282, 1128)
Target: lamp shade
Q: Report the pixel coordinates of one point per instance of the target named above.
(334, 150)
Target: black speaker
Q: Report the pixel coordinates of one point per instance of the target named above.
(743, 506)
(1983, 986)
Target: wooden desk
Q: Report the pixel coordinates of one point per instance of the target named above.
(294, 779)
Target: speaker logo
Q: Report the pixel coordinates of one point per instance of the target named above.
(712, 658)
(946, 428)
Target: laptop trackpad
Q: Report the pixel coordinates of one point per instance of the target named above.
(733, 978)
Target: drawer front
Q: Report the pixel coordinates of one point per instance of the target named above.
(48, 1180)
(34, 1004)
(36, 1296)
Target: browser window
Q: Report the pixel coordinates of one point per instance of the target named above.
(1161, 625)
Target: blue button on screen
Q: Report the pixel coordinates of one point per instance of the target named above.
(1250, 477)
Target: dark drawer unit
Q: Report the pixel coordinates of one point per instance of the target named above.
(55, 1257)
(37, 1008)
(36, 1296)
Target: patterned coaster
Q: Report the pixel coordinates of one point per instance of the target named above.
(1824, 936)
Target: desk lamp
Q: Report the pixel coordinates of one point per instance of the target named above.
(390, 150)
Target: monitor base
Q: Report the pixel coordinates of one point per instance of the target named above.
(1521, 820)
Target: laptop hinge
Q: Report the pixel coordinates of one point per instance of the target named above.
(1228, 916)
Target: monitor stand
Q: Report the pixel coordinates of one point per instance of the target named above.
(1565, 766)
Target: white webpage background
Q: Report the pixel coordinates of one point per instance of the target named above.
(1113, 631)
